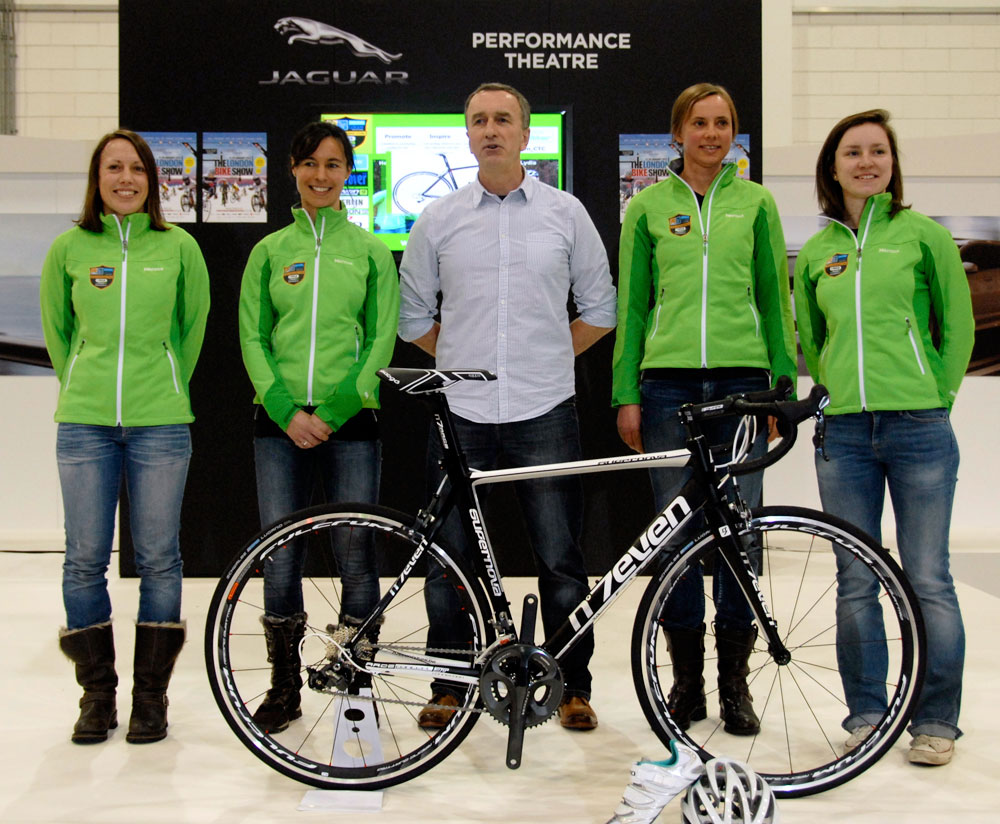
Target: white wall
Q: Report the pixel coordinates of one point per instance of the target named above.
(936, 65)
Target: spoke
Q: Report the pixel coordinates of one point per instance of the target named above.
(798, 591)
(809, 706)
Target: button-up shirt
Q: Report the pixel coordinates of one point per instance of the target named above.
(505, 268)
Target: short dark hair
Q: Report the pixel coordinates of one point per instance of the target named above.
(829, 192)
(93, 204)
(522, 101)
(692, 94)
(308, 138)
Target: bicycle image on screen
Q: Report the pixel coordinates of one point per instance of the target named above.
(413, 191)
(363, 686)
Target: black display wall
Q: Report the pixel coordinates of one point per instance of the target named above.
(209, 65)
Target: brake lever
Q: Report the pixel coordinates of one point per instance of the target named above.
(819, 436)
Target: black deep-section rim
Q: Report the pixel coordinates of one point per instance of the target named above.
(912, 649)
(239, 717)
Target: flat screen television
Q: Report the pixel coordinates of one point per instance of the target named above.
(405, 160)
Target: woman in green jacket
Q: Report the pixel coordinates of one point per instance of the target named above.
(319, 308)
(885, 322)
(124, 299)
(703, 312)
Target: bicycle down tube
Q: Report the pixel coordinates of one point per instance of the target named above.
(692, 499)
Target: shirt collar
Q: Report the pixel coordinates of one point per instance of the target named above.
(525, 191)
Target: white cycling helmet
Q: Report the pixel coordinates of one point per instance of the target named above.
(729, 793)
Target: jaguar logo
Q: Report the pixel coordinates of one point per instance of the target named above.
(315, 33)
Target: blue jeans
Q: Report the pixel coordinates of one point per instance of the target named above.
(553, 515)
(349, 471)
(662, 430)
(92, 461)
(916, 453)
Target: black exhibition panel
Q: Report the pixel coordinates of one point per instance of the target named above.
(264, 66)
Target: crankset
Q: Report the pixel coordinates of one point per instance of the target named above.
(521, 685)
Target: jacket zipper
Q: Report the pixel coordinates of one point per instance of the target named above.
(121, 328)
(173, 369)
(860, 242)
(315, 308)
(357, 343)
(69, 374)
(705, 226)
(753, 311)
(913, 343)
(656, 318)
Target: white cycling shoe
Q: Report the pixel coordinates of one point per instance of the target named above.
(656, 783)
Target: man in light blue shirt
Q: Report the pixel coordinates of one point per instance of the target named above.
(505, 252)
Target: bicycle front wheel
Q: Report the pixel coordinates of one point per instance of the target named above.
(801, 704)
(355, 731)
(415, 190)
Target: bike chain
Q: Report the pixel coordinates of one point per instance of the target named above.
(403, 649)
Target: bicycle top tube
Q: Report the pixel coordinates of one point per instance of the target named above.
(771, 402)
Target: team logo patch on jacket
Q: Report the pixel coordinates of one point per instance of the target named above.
(294, 273)
(102, 276)
(836, 265)
(680, 225)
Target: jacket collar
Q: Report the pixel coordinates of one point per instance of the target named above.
(137, 222)
(333, 217)
(724, 177)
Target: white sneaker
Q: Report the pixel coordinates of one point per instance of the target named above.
(857, 738)
(931, 750)
(655, 784)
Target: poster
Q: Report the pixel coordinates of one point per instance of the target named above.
(234, 177)
(643, 160)
(176, 154)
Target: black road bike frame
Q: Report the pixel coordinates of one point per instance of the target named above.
(703, 492)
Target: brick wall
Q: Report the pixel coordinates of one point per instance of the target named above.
(938, 73)
(67, 72)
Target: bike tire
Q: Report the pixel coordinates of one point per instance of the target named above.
(315, 749)
(799, 749)
(412, 192)
(255, 203)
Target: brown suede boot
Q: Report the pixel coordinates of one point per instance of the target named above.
(92, 650)
(156, 649)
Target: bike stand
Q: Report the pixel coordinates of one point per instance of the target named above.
(358, 744)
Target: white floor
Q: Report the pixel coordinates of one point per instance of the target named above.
(201, 774)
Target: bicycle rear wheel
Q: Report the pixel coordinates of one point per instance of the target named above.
(348, 736)
(800, 747)
(415, 190)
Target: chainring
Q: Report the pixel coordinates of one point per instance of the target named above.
(545, 683)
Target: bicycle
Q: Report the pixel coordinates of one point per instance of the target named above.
(413, 190)
(383, 667)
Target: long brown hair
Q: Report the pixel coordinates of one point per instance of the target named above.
(93, 205)
(829, 192)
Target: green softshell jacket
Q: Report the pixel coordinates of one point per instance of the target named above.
(864, 303)
(319, 309)
(701, 288)
(123, 313)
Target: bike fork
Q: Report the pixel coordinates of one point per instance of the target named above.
(724, 523)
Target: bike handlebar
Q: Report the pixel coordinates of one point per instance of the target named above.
(788, 414)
